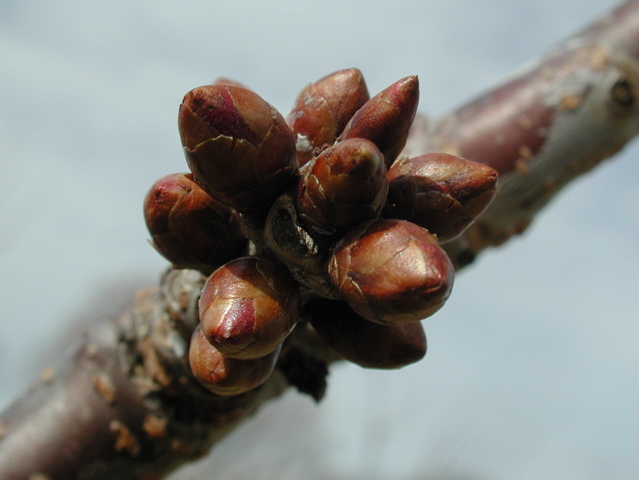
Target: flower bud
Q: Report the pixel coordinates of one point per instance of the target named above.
(323, 108)
(365, 343)
(238, 147)
(391, 272)
(188, 227)
(248, 307)
(440, 192)
(387, 117)
(223, 375)
(346, 185)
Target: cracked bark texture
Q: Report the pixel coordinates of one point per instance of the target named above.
(123, 403)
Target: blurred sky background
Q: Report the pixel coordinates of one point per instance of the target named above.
(532, 369)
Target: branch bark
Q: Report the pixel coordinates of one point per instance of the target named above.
(553, 121)
(124, 403)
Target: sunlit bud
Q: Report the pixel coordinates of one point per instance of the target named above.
(391, 272)
(440, 192)
(238, 147)
(365, 343)
(248, 307)
(387, 117)
(346, 185)
(323, 108)
(223, 375)
(188, 227)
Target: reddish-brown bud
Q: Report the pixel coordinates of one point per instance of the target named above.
(223, 375)
(365, 343)
(238, 147)
(346, 185)
(391, 272)
(188, 227)
(440, 192)
(387, 117)
(248, 307)
(323, 109)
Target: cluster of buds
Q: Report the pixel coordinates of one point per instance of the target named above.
(315, 221)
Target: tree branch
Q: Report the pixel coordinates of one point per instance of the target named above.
(124, 403)
(553, 121)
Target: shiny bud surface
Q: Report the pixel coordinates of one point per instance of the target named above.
(346, 185)
(238, 147)
(323, 109)
(188, 227)
(223, 375)
(440, 192)
(386, 118)
(248, 307)
(391, 272)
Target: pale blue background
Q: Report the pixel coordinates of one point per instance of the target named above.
(532, 370)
